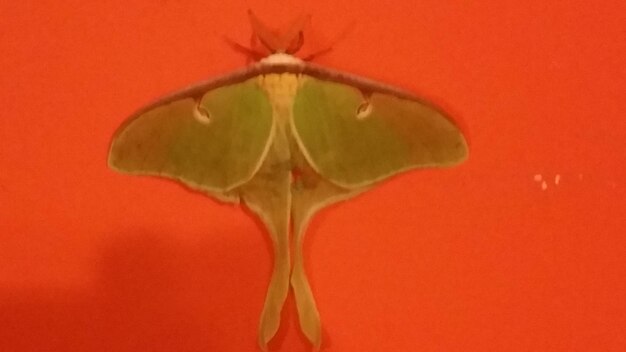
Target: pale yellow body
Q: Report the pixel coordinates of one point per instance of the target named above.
(277, 199)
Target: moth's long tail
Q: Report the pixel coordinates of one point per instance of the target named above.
(308, 314)
(277, 290)
(268, 195)
(310, 194)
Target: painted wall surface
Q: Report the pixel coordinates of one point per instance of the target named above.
(520, 249)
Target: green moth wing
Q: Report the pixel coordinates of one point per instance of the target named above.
(212, 143)
(355, 139)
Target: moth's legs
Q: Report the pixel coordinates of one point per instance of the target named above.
(251, 54)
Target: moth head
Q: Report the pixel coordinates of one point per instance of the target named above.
(266, 41)
(287, 41)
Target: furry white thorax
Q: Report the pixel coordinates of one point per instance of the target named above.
(280, 59)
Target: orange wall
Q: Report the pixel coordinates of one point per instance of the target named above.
(479, 257)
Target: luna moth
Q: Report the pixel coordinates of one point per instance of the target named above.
(286, 138)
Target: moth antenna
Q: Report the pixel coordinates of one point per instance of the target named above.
(293, 38)
(265, 35)
(253, 41)
(296, 44)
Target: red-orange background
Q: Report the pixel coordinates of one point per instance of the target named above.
(473, 258)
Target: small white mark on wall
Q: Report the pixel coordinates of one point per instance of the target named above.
(543, 183)
(539, 178)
